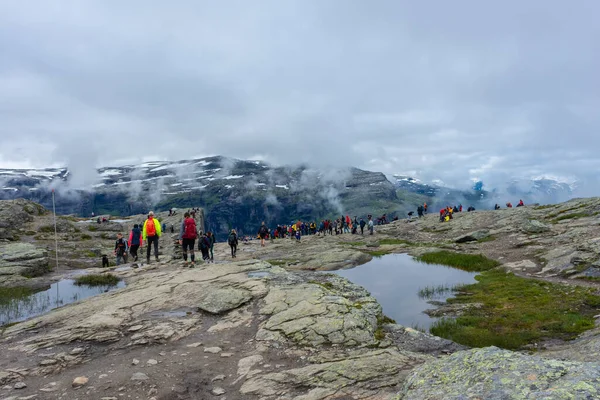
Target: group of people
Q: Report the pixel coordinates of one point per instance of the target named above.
(509, 205)
(188, 234)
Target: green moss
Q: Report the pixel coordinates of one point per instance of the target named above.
(517, 311)
(278, 263)
(46, 229)
(326, 285)
(570, 216)
(379, 334)
(85, 237)
(104, 235)
(10, 293)
(90, 254)
(466, 262)
(490, 238)
(97, 280)
(92, 228)
(395, 241)
(377, 253)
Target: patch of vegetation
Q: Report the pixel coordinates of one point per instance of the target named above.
(277, 263)
(92, 228)
(589, 278)
(544, 207)
(466, 262)
(377, 253)
(569, 216)
(90, 254)
(490, 238)
(85, 237)
(7, 294)
(97, 280)
(30, 233)
(431, 292)
(326, 285)
(384, 319)
(38, 237)
(46, 229)
(104, 235)
(395, 241)
(419, 328)
(518, 311)
(379, 333)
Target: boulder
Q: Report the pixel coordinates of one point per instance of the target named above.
(23, 258)
(533, 226)
(493, 374)
(14, 214)
(473, 236)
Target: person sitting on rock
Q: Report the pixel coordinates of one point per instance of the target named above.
(509, 205)
(521, 204)
(496, 207)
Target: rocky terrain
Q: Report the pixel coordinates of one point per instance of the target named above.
(266, 326)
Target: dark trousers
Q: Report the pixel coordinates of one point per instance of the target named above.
(152, 239)
(133, 251)
(233, 249)
(188, 244)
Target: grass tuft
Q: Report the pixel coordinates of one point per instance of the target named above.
(378, 253)
(10, 293)
(570, 216)
(97, 280)
(466, 262)
(395, 241)
(277, 263)
(518, 311)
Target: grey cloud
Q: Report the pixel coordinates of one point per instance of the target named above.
(450, 91)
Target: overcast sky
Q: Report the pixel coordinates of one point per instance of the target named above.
(454, 90)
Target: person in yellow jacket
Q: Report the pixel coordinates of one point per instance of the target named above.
(151, 232)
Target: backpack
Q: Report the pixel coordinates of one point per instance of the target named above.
(150, 228)
(232, 239)
(189, 230)
(263, 230)
(203, 244)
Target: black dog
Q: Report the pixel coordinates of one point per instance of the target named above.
(104, 261)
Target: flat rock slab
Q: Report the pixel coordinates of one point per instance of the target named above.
(220, 300)
(494, 374)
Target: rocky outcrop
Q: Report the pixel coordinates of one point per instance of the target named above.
(14, 214)
(473, 236)
(495, 374)
(21, 260)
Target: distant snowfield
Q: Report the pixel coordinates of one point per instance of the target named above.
(228, 177)
(283, 187)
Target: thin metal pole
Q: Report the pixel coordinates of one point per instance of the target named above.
(55, 243)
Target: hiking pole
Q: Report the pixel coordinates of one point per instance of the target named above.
(55, 242)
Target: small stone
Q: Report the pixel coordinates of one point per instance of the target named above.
(195, 344)
(213, 350)
(218, 391)
(20, 385)
(121, 389)
(77, 350)
(163, 353)
(226, 355)
(48, 362)
(135, 328)
(103, 376)
(139, 376)
(218, 378)
(79, 381)
(51, 387)
(151, 362)
(33, 396)
(152, 392)
(135, 361)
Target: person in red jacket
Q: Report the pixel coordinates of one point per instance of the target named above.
(187, 237)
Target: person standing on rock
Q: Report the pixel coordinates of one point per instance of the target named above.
(212, 239)
(232, 241)
(362, 226)
(187, 238)
(370, 225)
(135, 241)
(121, 249)
(151, 232)
(263, 231)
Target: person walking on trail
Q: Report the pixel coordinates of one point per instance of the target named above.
(187, 238)
(151, 232)
(263, 231)
(232, 241)
(370, 225)
(135, 241)
(212, 239)
(362, 226)
(121, 249)
(204, 245)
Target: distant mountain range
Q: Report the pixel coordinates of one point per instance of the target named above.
(241, 193)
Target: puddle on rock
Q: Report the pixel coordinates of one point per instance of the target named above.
(259, 274)
(404, 286)
(19, 304)
(179, 313)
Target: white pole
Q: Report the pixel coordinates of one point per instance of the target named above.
(56, 246)
(55, 230)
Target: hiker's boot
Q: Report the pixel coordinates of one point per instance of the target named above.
(148, 260)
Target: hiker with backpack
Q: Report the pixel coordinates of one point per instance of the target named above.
(362, 224)
(135, 241)
(232, 240)
(263, 232)
(203, 246)
(212, 239)
(187, 238)
(151, 232)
